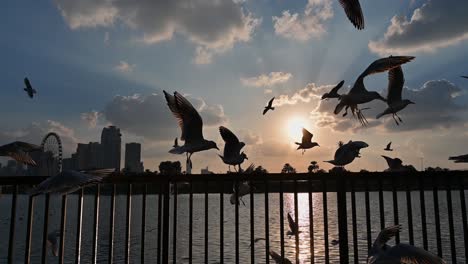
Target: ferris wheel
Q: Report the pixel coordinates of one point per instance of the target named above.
(52, 145)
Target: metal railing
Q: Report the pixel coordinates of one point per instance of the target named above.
(195, 223)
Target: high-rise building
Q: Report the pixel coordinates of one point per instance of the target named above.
(89, 156)
(111, 146)
(133, 157)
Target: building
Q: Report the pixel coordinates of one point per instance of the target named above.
(206, 171)
(111, 147)
(133, 158)
(47, 164)
(88, 156)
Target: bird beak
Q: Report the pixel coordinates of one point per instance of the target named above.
(318, 145)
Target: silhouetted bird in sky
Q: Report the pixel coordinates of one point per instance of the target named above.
(69, 181)
(381, 252)
(387, 148)
(359, 94)
(353, 10)
(306, 142)
(232, 148)
(334, 92)
(278, 259)
(52, 242)
(293, 226)
(191, 124)
(460, 159)
(29, 90)
(466, 77)
(396, 164)
(19, 151)
(269, 106)
(346, 153)
(396, 80)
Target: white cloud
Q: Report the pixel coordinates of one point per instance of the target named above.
(304, 95)
(269, 80)
(90, 118)
(302, 27)
(124, 67)
(434, 25)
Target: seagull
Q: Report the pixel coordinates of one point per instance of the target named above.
(269, 106)
(306, 141)
(396, 80)
(52, 242)
(243, 187)
(69, 181)
(278, 259)
(466, 77)
(388, 147)
(353, 10)
(232, 148)
(400, 253)
(359, 94)
(346, 153)
(293, 226)
(29, 90)
(19, 151)
(191, 124)
(334, 92)
(460, 159)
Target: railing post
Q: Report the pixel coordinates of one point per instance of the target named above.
(342, 219)
(165, 238)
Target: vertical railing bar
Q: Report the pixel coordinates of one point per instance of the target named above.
(311, 224)
(395, 207)
(450, 218)
(111, 225)
(174, 227)
(11, 243)
(354, 222)
(165, 228)
(128, 223)
(143, 222)
(63, 226)
(325, 220)
(435, 193)
(79, 226)
(342, 220)
(27, 255)
(463, 210)
(296, 218)
(281, 204)
(190, 222)
(96, 222)
(160, 204)
(45, 229)
(368, 216)
(267, 224)
(422, 201)
(206, 222)
(381, 205)
(252, 220)
(236, 208)
(410, 214)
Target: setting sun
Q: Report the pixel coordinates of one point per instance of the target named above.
(294, 127)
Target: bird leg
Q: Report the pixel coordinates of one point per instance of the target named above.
(396, 121)
(401, 121)
(346, 111)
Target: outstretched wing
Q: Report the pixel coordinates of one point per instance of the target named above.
(306, 136)
(385, 235)
(413, 255)
(388, 145)
(353, 10)
(292, 225)
(232, 146)
(396, 80)
(270, 103)
(27, 83)
(337, 87)
(189, 120)
(25, 146)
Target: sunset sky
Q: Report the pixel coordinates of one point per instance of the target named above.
(96, 63)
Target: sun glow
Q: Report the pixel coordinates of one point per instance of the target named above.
(294, 127)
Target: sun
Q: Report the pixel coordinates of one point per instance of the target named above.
(294, 127)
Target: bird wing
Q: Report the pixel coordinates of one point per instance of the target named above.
(292, 225)
(388, 160)
(27, 83)
(396, 80)
(22, 157)
(388, 145)
(466, 77)
(189, 120)
(413, 255)
(65, 182)
(385, 235)
(250, 169)
(270, 103)
(275, 256)
(232, 146)
(337, 87)
(459, 157)
(353, 10)
(265, 110)
(27, 146)
(306, 136)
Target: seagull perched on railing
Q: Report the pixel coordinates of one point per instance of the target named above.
(306, 142)
(334, 92)
(69, 181)
(19, 151)
(232, 148)
(278, 259)
(293, 226)
(460, 159)
(269, 106)
(191, 124)
(346, 153)
(52, 242)
(400, 253)
(29, 90)
(387, 148)
(353, 11)
(360, 95)
(396, 80)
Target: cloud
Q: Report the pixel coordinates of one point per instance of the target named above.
(124, 67)
(304, 95)
(249, 137)
(265, 80)
(436, 24)
(90, 118)
(302, 27)
(214, 26)
(149, 116)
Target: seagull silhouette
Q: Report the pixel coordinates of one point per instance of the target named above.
(466, 77)
(460, 159)
(346, 153)
(29, 90)
(19, 151)
(278, 259)
(306, 142)
(191, 124)
(395, 87)
(353, 10)
(387, 148)
(293, 226)
(359, 94)
(381, 252)
(334, 92)
(232, 148)
(269, 106)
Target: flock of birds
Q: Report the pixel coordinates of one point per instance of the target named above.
(191, 125)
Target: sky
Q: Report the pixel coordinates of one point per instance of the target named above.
(102, 62)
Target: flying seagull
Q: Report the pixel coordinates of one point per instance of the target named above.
(19, 151)
(359, 94)
(52, 242)
(346, 153)
(69, 181)
(191, 124)
(396, 80)
(232, 148)
(29, 90)
(278, 259)
(381, 252)
(306, 142)
(387, 148)
(269, 106)
(460, 159)
(353, 10)
(334, 92)
(293, 226)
